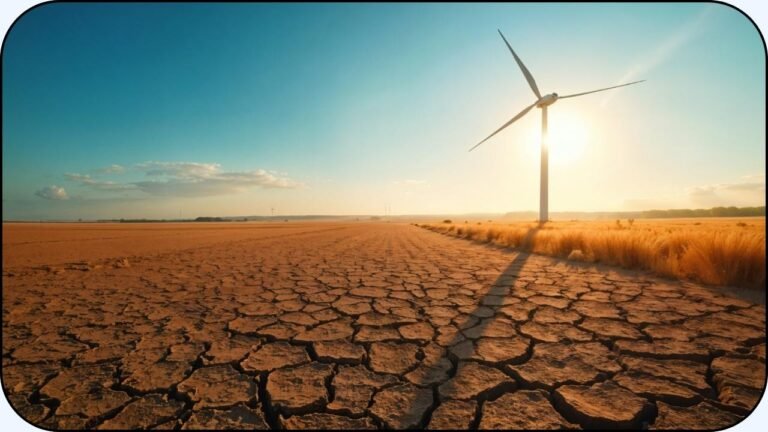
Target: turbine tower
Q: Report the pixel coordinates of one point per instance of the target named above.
(541, 102)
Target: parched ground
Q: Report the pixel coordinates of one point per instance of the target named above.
(358, 326)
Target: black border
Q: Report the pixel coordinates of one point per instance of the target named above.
(10, 28)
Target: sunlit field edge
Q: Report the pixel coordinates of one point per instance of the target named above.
(727, 251)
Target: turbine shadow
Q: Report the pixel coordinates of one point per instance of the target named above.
(460, 348)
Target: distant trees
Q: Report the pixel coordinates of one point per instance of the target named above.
(647, 214)
(713, 212)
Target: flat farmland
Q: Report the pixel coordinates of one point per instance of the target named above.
(357, 325)
(71, 242)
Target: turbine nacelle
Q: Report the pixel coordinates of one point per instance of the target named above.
(546, 100)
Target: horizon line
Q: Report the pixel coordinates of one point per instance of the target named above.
(371, 215)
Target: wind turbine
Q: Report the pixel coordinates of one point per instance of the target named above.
(541, 102)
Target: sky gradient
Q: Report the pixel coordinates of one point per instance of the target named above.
(185, 110)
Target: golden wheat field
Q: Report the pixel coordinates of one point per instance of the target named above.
(717, 251)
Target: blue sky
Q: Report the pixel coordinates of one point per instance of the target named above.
(144, 110)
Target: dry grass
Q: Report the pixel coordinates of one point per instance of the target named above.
(723, 251)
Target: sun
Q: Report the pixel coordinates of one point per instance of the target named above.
(568, 137)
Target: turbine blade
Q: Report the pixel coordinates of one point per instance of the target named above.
(598, 90)
(526, 72)
(514, 119)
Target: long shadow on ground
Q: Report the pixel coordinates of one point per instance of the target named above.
(485, 320)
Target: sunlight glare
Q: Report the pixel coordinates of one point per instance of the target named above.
(568, 135)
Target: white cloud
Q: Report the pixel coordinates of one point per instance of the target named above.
(178, 169)
(112, 169)
(190, 179)
(709, 189)
(216, 184)
(754, 177)
(53, 192)
(748, 193)
(728, 194)
(87, 180)
(259, 178)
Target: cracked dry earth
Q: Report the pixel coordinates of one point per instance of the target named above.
(373, 326)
